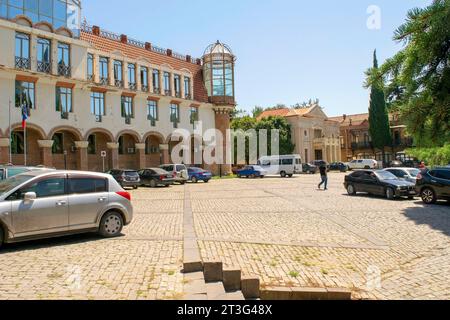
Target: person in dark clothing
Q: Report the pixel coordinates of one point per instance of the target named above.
(324, 176)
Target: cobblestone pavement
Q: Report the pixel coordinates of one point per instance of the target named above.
(283, 230)
(143, 264)
(290, 234)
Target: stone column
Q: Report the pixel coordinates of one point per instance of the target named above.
(150, 80)
(4, 150)
(114, 154)
(96, 68)
(54, 57)
(140, 151)
(125, 75)
(172, 84)
(46, 152)
(111, 71)
(164, 153)
(222, 120)
(183, 94)
(33, 56)
(82, 155)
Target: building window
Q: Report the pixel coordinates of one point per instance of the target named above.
(144, 79)
(90, 66)
(131, 76)
(63, 59)
(193, 116)
(92, 145)
(17, 143)
(177, 85)
(22, 51)
(156, 84)
(152, 112)
(43, 55)
(174, 114)
(187, 88)
(103, 70)
(118, 73)
(127, 107)
(121, 145)
(167, 88)
(64, 100)
(58, 144)
(24, 94)
(98, 104)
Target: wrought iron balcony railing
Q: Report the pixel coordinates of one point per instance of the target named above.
(65, 115)
(63, 70)
(118, 83)
(104, 81)
(23, 63)
(90, 77)
(178, 94)
(157, 90)
(188, 96)
(168, 92)
(144, 88)
(128, 120)
(43, 66)
(132, 86)
(362, 145)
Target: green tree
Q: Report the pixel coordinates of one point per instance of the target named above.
(418, 76)
(285, 139)
(379, 127)
(257, 111)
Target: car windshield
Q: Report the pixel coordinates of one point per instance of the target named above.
(413, 172)
(384, 175)
(9, 184)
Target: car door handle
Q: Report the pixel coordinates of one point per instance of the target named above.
(102, 199)
(61, 203)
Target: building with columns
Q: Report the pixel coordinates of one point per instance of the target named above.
(91, 92)
(315, 136)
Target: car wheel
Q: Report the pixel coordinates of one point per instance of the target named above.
(206, 181)
(390, 194)
(283, 174)
(135, 187)
(428, 196)
(262, 177)
(111, 225)
(253, 176)
(182, 182)
(367, 167)
(290, 175)
(2, 236)
(351, 190)
(152, 184)
(239, 176)
(411, 198)
(308, 172)
(194, 180)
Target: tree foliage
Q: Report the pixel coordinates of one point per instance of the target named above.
(418, 76)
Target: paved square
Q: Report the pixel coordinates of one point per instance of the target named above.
(283, 230)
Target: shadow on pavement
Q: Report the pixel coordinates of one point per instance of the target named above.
(436, 216)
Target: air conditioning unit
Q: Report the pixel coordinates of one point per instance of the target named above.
(130, 150)
(127, 120)
(64, 115)
(98, 118)
(73, 149)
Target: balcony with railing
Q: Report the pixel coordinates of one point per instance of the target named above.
(132, 86)
(362, 145)
(118, 83)
(43, 66)
(104, 81)
(64, 70)
(144, 88)
(23, 63)
(157, 90)
(90, 77)
(404, 142)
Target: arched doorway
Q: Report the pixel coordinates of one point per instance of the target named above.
(64, 151)
(153, 155)
(18, 146)
(128, 158)
(97, 144)
(196, 152)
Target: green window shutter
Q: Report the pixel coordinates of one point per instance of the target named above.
(123, 109)
(58, 100)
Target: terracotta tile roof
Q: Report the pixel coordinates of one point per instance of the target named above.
(358, 119)
(300, 112)
(274, 113)
(133, 52)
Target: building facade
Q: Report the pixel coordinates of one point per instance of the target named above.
(356, 142)
(315, 136)
(97, 100)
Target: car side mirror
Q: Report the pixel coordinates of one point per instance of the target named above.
(29, 197)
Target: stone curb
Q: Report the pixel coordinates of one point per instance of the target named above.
(285, 293)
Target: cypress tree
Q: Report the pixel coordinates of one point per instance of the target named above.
(378, 114)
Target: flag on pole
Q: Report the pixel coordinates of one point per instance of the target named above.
(24, 115)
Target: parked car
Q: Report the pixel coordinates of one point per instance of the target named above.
(155, 177)
(396, 164)
(179, 172)
(378, 183)
(46, 204)
(363, 164)
(338, 166)
(408, 174)
(433, 185)
(319, 163)
(126, 178)
(9, 171)
(412, 164)
(252, 172)
(199, 174)
(309, 168)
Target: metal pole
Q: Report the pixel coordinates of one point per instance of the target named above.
(10, 133)
(25, 144)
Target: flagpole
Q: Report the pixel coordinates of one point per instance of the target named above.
(25, 143)
(10, 133)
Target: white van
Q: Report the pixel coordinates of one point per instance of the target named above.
(285, 166)
(363, 164)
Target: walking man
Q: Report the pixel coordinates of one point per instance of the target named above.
(324, 176)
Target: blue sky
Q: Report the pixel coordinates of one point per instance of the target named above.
(288, 50)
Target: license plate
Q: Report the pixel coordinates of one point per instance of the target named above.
(412, 192)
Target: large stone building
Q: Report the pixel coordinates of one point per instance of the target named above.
(315, 136)
(91, 92)
(356, 142)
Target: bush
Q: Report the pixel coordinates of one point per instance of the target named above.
(432, 156)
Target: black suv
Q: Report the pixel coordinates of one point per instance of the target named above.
(433, 185)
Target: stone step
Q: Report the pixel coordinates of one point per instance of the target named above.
(215, 290)
(237, 295)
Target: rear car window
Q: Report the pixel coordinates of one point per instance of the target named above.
(87, 185)
(168, 168)
(442, 174)
(131, 173)
(181, 168)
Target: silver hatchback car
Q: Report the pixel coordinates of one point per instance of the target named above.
(47, 204)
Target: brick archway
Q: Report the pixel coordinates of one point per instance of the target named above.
(98, 143)
(128, 153)
(33, 151)
(76, 133)
(153, 153)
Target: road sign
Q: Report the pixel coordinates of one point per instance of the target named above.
(103, 154)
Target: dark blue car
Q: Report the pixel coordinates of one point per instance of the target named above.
(199, 174)
(252, 172)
